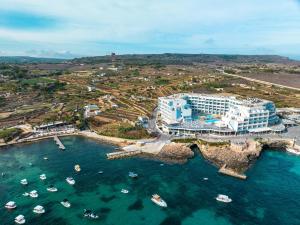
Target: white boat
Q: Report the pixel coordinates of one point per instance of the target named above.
(205, 178)
(24, 182)
(11, 205)
(43, 177)
(158, 200)
(132, 174)
(20, 219)
(45, 158)
(25, 194)
(124, 191)
(51, 188)
(223, 198)
(33, 194)
(100, 172)
(293, 151)
(70, 180)
(66, 203)
(77, 168)
(39, 209)
(90, 214)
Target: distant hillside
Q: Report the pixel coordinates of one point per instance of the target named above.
(27, 59)
(183, 59)
(154, 59)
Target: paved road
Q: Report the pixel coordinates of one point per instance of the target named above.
(260, 81)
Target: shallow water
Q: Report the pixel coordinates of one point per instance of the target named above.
(269, 196)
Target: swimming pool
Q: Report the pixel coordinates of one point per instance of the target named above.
(212, 121)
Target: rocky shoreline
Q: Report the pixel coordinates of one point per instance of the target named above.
(175, 152)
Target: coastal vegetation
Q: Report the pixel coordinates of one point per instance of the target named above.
(123, 130)
(9, 134)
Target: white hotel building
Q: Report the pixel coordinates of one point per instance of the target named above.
(201, 113)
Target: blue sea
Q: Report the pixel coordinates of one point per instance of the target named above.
(270, 195)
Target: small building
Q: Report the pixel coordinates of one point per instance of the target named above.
(114, 105)
(91, 88)
(143, 119)
(91, 110)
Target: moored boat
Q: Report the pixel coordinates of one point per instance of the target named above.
(33, 194)
(70, 180)
(77, 168)
(11, 205)
(223, 198)
(39, 209)
(24, 182)
(43, 177)
(124, 191)
(20, 219)
(158, 200)
(90, 214)
(51, 188)
(66, 203)
(132, 175)
(25, 194)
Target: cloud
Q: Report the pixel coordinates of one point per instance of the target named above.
(51, 54)
(98, 27)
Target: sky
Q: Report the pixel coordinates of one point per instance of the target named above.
(74, 28)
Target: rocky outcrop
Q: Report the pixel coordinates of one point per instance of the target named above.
(176, 152)
(234, 156)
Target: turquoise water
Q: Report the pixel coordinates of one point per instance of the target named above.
(212, 120)
(270, 196)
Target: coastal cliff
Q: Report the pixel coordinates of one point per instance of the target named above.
(176, 152)
(233, 158)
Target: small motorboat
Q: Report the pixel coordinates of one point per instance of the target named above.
(51, 188)
(77, 168)
(161, 164)
(20, 219)
(223, 198)
(30, 164)
(132, 175)
(158, 200)
(25, 194)
(11, 205)
(66, 203)
(33, 194)
(39, 209)
(43, 177)
(205, 178)
(124, 191)
(3, 174)
(70, 180)
(90, 214)
(100, 172)
(24, 182)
